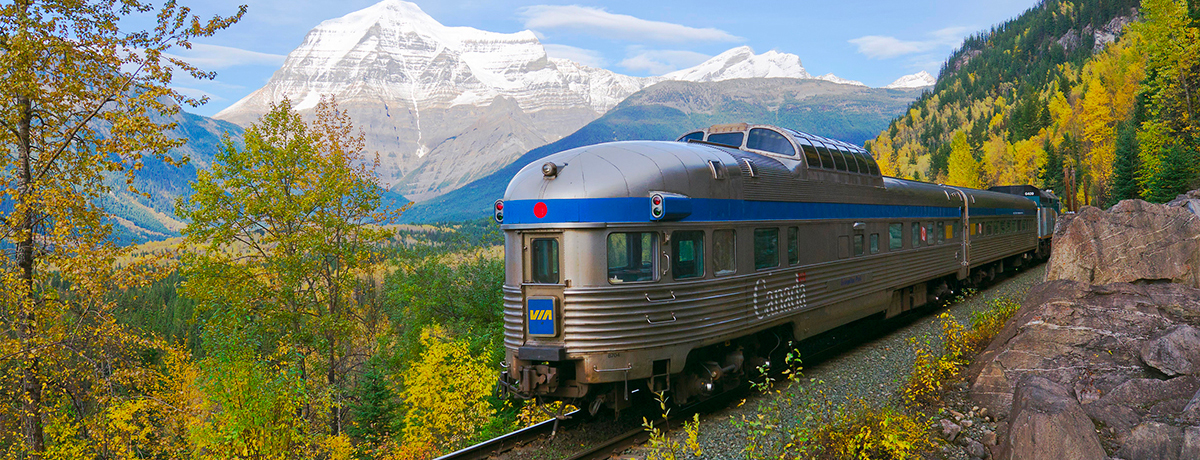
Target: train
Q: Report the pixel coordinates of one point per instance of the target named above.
(682, 266)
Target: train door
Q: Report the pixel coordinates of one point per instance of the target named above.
(542, 285)
(964, 251)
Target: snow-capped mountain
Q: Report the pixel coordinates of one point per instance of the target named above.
(916, 80)
(836, 79)
(741, 62)
(446, 105)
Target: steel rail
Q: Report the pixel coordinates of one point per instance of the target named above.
(499, 445)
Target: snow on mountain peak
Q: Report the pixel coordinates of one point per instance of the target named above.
(836, 79)
(917, 80)
(741, 62)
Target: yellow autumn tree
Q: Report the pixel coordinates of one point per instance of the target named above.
(963, 169)
(1110, 82)
(445, 393)
(81, 98)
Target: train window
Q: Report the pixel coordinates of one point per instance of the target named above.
(916, 235)
(810, 153)
(988, 229)
(692, 136)
(687, 254)
(895, 236)
(769, 141)
(874, 243)
(724, 261)
(872, 164)
(544, 261)
(941, 232)
(766, 248)
(839, 161)
(731, 139)
(843, 247)
(951, 230)
(927, 234)
(851, 164)
(858, 244)
(826, 158)
(793, 245)
(631, 257)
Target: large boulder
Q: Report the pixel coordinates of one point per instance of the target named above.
(1137, 400)
(1175, 353)
(1133, 242)
(1189, 201)
(1048, 423)
(1152, 441)
(1084, 337)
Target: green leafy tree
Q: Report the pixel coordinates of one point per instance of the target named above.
(282, 232)
(81, 98)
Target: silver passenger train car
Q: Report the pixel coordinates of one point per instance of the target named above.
(678, 266)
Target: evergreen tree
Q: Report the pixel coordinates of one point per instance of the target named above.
(1125, 165)
(1051, 174)
(1176, 175)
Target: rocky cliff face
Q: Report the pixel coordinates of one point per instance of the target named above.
(1132, 242)
(1104, 358)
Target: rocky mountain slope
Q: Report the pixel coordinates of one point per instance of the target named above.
(447, 105)
(670, 108)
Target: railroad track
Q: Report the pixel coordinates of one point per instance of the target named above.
(505, 443)
(601, 450)
(816, 348)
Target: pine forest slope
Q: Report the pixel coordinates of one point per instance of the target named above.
(138, 218)
(1058, 86)
(668, 109)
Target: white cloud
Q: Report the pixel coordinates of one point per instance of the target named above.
(197, 93)
(658, 62)
(885, 47)
(586, 57)
(619, 26)
(213, 57)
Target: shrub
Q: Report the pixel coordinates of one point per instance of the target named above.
(860, 431)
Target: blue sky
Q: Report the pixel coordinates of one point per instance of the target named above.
(870, 41)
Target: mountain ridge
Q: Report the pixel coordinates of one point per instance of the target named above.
(439, 102)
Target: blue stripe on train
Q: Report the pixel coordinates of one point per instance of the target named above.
(710, 209)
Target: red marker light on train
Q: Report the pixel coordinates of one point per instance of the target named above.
(656, 206)
(498, 212)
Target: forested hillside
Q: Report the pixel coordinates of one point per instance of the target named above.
(1099, 89)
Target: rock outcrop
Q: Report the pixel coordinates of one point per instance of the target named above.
(1048, 423)
(1109, 347)
(1133, 242)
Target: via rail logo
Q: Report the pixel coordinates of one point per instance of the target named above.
(770, 302)
(541, 321)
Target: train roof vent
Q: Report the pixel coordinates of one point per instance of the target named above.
(728, 128)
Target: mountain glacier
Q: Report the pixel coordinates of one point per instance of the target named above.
(447, 105)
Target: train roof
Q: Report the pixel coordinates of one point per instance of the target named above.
(708, 170)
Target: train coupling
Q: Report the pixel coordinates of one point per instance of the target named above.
(529, 381)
